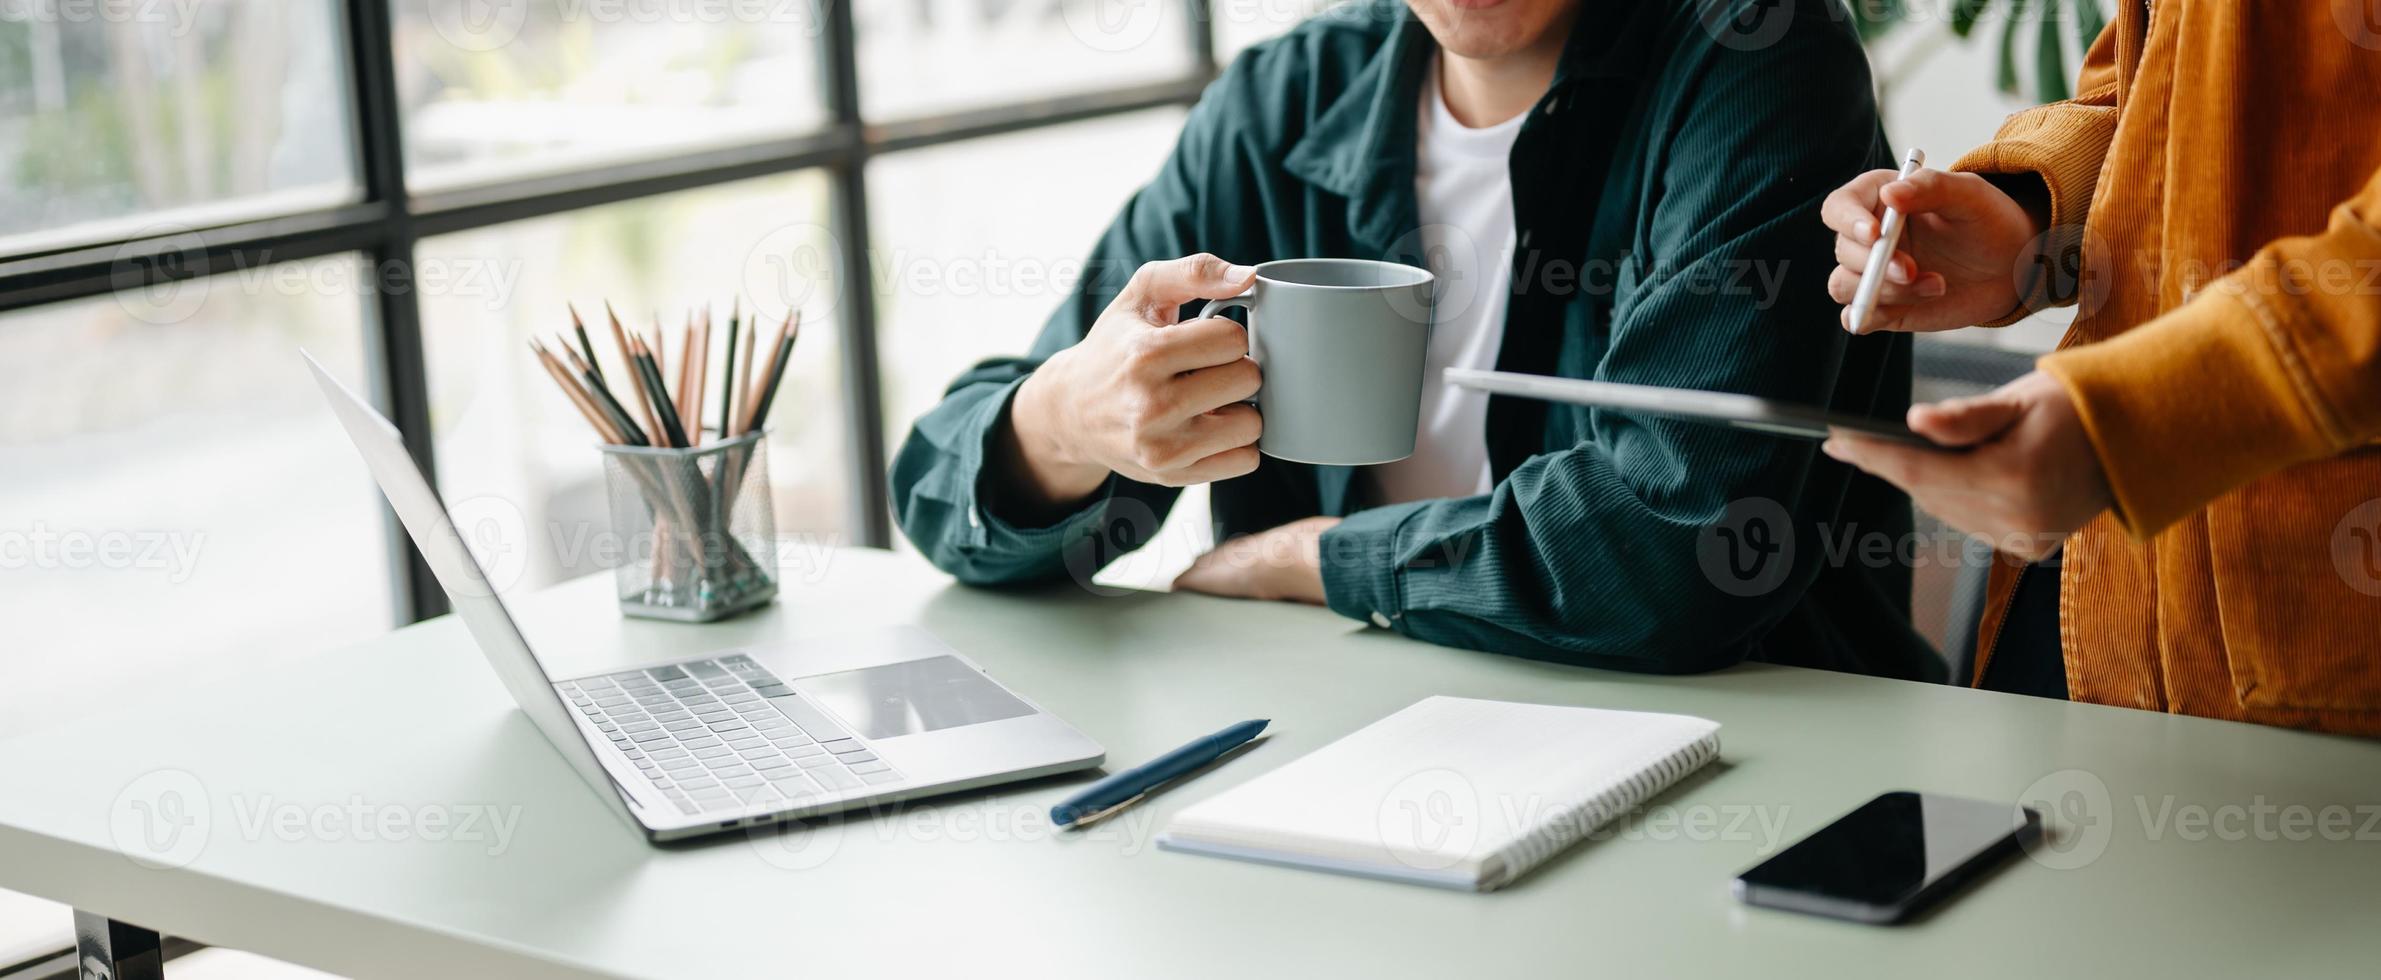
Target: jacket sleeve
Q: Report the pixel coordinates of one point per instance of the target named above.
(2064, 144)
(938, 475)
(1614, 552)
(2275, 364)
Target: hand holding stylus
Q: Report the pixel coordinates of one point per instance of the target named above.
(1960, 257)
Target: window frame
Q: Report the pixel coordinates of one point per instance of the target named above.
(387, 223)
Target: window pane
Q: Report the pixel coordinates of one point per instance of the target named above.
(508, 438)
(206, 111)
(492, 90)
(920, 57)
(176, 502)
(964, 275)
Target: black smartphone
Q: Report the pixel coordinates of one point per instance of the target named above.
(1890, 858)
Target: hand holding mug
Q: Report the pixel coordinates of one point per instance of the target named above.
(1142, 395)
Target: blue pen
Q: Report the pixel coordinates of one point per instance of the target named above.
(1125, 787)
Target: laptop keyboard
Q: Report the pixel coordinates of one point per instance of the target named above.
(725, 735)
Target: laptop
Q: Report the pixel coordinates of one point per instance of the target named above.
(745, 737)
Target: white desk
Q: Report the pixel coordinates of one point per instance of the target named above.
(414, 721)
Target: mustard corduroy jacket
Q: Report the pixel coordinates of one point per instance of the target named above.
(2215, 200)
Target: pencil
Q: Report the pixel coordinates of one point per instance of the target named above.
(702, 373)
(727, 371)
(578, 397)
(654, 350)
(585, 346)
(743, 381)
(785, 355)
(746, 395)
(752, 391)
(628, 358)
(610, 405)
(688, 361)
(650, 370)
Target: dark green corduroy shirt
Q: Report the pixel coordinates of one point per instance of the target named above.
(1666, 190)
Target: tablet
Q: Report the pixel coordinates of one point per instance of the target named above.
(1714, 407)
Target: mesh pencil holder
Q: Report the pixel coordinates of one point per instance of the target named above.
(699, 529)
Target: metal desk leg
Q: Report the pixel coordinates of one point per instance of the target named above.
(109, 950)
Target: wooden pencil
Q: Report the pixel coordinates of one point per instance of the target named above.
(702, 374)
(743, 381)
(628, 359)
(586, 346)
(688, 361)
(650, 370)
(745, 422)
(727, 372)
(606, 402)
(578, 396)
(785, 356)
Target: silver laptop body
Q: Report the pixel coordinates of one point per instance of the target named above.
(737, 738)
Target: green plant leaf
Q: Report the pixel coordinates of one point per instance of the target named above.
(2007, 78)
(1964, 14)
(2050, 57)
(1873, 19)
(2089, 21)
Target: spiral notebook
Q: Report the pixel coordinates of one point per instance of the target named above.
(1455, 792)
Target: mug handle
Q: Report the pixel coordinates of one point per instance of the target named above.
(1246, 301)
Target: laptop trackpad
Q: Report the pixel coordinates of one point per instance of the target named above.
(912, 696)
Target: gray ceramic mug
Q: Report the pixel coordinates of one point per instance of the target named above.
(1342, 344)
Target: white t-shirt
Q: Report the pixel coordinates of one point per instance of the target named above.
(1463, 183)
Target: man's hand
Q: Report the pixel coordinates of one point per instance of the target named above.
(1963, 246)
(1158, 401)
(1283, 563)
(2028, 479)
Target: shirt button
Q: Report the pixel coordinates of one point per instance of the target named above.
(1551, 104)
(1380, 620)
(972, 519)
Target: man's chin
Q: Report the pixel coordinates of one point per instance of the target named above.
(1486, 28)
(1479, 41)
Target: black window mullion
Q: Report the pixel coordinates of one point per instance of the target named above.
(394, 359)
(863, 404)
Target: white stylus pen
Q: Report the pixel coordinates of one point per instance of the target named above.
(1864, 299)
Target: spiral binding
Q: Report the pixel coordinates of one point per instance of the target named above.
(1565, 825)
